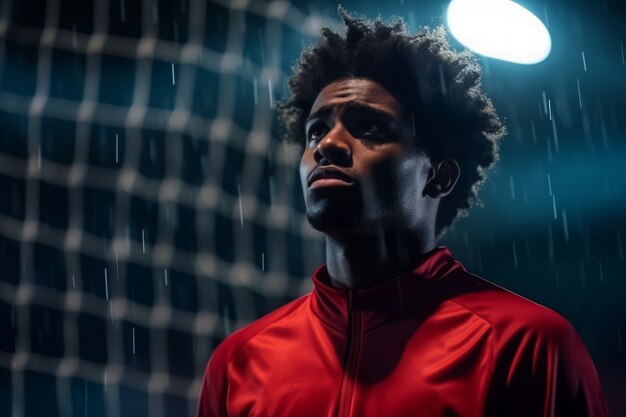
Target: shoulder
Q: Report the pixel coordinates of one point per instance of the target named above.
(540, 364)
(214, 385)
(507, 313)
(238, 339)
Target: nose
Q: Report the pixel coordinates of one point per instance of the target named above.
(334, 148)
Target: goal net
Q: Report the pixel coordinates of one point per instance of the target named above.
(148, 208)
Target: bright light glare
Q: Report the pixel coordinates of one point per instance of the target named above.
(499, 29)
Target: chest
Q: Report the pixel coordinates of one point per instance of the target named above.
(402, 368)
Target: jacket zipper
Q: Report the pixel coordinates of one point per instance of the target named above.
(354, 346)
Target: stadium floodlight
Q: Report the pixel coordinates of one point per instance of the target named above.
(499, 29)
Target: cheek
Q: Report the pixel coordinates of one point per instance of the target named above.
(306, 166)
(400, 185)
(412, 176)
(401, 173)
(384, 184)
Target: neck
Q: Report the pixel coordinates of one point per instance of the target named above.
(365, 261)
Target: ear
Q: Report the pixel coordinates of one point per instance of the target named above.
(442, 178)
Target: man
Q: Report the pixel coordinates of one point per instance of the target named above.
(396, 137)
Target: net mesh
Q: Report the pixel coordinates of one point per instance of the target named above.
(149, 208)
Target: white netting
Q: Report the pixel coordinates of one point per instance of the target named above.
(148, 206)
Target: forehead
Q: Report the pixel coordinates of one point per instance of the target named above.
(360, 90)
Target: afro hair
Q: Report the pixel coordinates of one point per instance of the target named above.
(439, 87)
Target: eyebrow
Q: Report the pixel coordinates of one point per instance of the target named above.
(324, 111)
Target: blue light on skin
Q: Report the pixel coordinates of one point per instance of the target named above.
(499, 29)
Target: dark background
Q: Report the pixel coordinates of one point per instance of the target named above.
(123, 266)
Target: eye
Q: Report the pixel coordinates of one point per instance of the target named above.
(372, 128)
(316, 132)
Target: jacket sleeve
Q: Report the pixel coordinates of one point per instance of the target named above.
(212, 402)
(549, 373)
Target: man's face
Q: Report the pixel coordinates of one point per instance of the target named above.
(361, 172)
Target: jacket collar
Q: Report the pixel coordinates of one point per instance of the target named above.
(399, 297)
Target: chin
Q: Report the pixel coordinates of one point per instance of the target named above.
(329, 215)
(341, 223)
(327, 221)
(340, 213)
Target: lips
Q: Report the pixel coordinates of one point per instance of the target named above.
(329, 173)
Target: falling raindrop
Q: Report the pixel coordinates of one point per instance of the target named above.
(549, 109)
(554, 206)
(133, 340)
(73, 281)
(106, 284)
(601, 272)
(240, 205)
(514, 255)
(584, 61)
(550, 185)
(39, 157)
(256, 94)
(269, 86)
(565, 228)
(580, 101)
(545, 14)
(173, 77)
(117, 266)
(143, 240)
(621, 47)
(165, 270)
(545, 102)
(555, 136)
(262, 261)
(117, 148)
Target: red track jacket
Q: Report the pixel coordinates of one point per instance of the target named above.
(436, 341)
